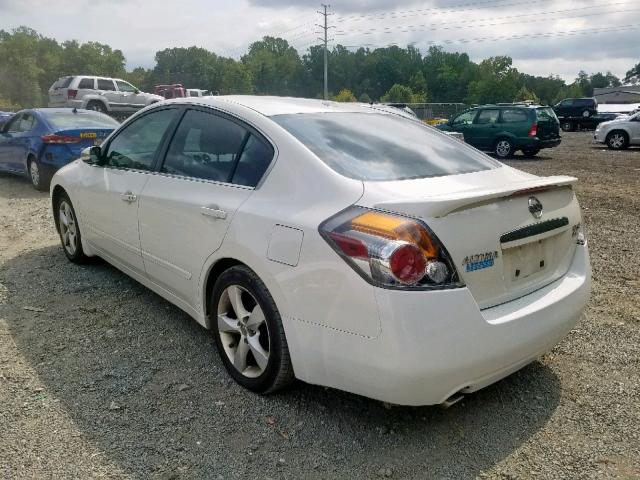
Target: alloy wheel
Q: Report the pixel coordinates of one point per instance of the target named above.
(503, 148)
(617, 140)
(68, 228)
(34, 172)
(243, 331)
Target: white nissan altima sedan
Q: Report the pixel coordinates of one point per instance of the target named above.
(340, 244)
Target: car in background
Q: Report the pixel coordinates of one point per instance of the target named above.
(37, 142)
(620, 133)
(4, 117)
(102, 94)
(177, 90)
(505, 129)
(576, 107)
(338, 243)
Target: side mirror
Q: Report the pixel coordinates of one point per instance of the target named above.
(91, 155)
(136, 91)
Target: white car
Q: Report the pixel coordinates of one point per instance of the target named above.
(106, 95)
(620, 133)
(334, 243)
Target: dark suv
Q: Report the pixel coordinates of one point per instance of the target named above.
(576, 107)
(506, 128)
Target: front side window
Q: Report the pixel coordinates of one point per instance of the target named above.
(379, 147)
(136, 144)
(86, 83)
(487, 117)
(125, 87)
(13, 126)
(205, 146)
(465, 119)
(27, 122)
(514, 115)
(105, 84)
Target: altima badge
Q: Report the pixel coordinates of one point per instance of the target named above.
(535, 207)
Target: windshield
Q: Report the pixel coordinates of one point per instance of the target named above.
(379, 147)
(61, 120)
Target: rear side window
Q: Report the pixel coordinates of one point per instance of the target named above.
(104, 84)
(465, 118)
(87, 83)
(379, 147)
(488, 116)
(514, 115)
(136, 144)
(546, 114)
(63, 82)
(254, 161)
(205, 146)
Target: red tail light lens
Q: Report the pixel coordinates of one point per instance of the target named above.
(390, 250)
(72, 93)
(533, 131)
(60, 139)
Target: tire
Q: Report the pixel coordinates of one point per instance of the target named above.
(254, 350)
(503, 148)
(530, 153)
(37, 175)
(96, 106)
(617, 140)
(68, 229)
(568, 126)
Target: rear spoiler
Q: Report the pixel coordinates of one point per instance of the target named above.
(442, 205)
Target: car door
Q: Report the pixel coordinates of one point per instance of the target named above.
(462, 124)
(15, 142)
(108, 90)
(210, 168)
(131, 96)
(110, 191)
(634, 129)
(484, 129)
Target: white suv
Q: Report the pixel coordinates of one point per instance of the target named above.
(101, 94)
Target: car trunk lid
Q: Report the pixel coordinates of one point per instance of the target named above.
(78, 139)
(500, 248)
(548, 124)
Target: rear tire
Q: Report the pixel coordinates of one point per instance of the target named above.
(96, 106)
(37, 174)
(248, 331)
(503, 148)
(617, 140)
(530, 153)
(68, 229)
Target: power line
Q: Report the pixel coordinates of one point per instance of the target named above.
(326, 28)
(565, 33)
(434, 26)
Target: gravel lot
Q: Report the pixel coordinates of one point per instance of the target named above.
(99, 377)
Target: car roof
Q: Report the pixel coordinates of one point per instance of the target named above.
(510, 105)
(270, 106)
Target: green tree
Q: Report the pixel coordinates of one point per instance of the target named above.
(275, 67)
(364, 98)
(345, 95)
(633, 75)
(398, 94)
(524, 94)
(497, 81)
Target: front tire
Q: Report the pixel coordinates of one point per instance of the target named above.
(248, 331)
(617, 140)
(67, 225)
(503, 148)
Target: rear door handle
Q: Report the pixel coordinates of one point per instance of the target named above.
(128, 197)
(213, 211)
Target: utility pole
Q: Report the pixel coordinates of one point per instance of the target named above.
(326, 28)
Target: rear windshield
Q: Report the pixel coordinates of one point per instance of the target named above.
(69, 120)
(62, 82)
(546, 114)
(379, 147)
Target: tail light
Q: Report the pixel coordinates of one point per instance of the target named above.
(72, 93)
(533, 131)
(60, 139)
(390, 250)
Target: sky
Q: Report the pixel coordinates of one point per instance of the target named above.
(543, 37)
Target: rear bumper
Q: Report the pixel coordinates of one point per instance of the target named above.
(434, 344)
(537, 143)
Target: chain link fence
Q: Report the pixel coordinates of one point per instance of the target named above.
(432, 111)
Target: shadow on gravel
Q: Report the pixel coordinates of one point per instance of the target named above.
(143, 382)
(14, 187)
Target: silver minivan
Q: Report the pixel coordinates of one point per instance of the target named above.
(102, 94)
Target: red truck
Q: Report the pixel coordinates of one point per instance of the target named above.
(177, 90)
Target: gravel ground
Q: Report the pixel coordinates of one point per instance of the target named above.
(99, 377)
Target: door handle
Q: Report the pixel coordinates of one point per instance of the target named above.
(214, 212)
(128, 197)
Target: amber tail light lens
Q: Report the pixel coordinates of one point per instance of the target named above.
(390, 250)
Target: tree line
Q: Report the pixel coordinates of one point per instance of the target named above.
(30, 63)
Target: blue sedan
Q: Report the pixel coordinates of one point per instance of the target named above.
(37, 142)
